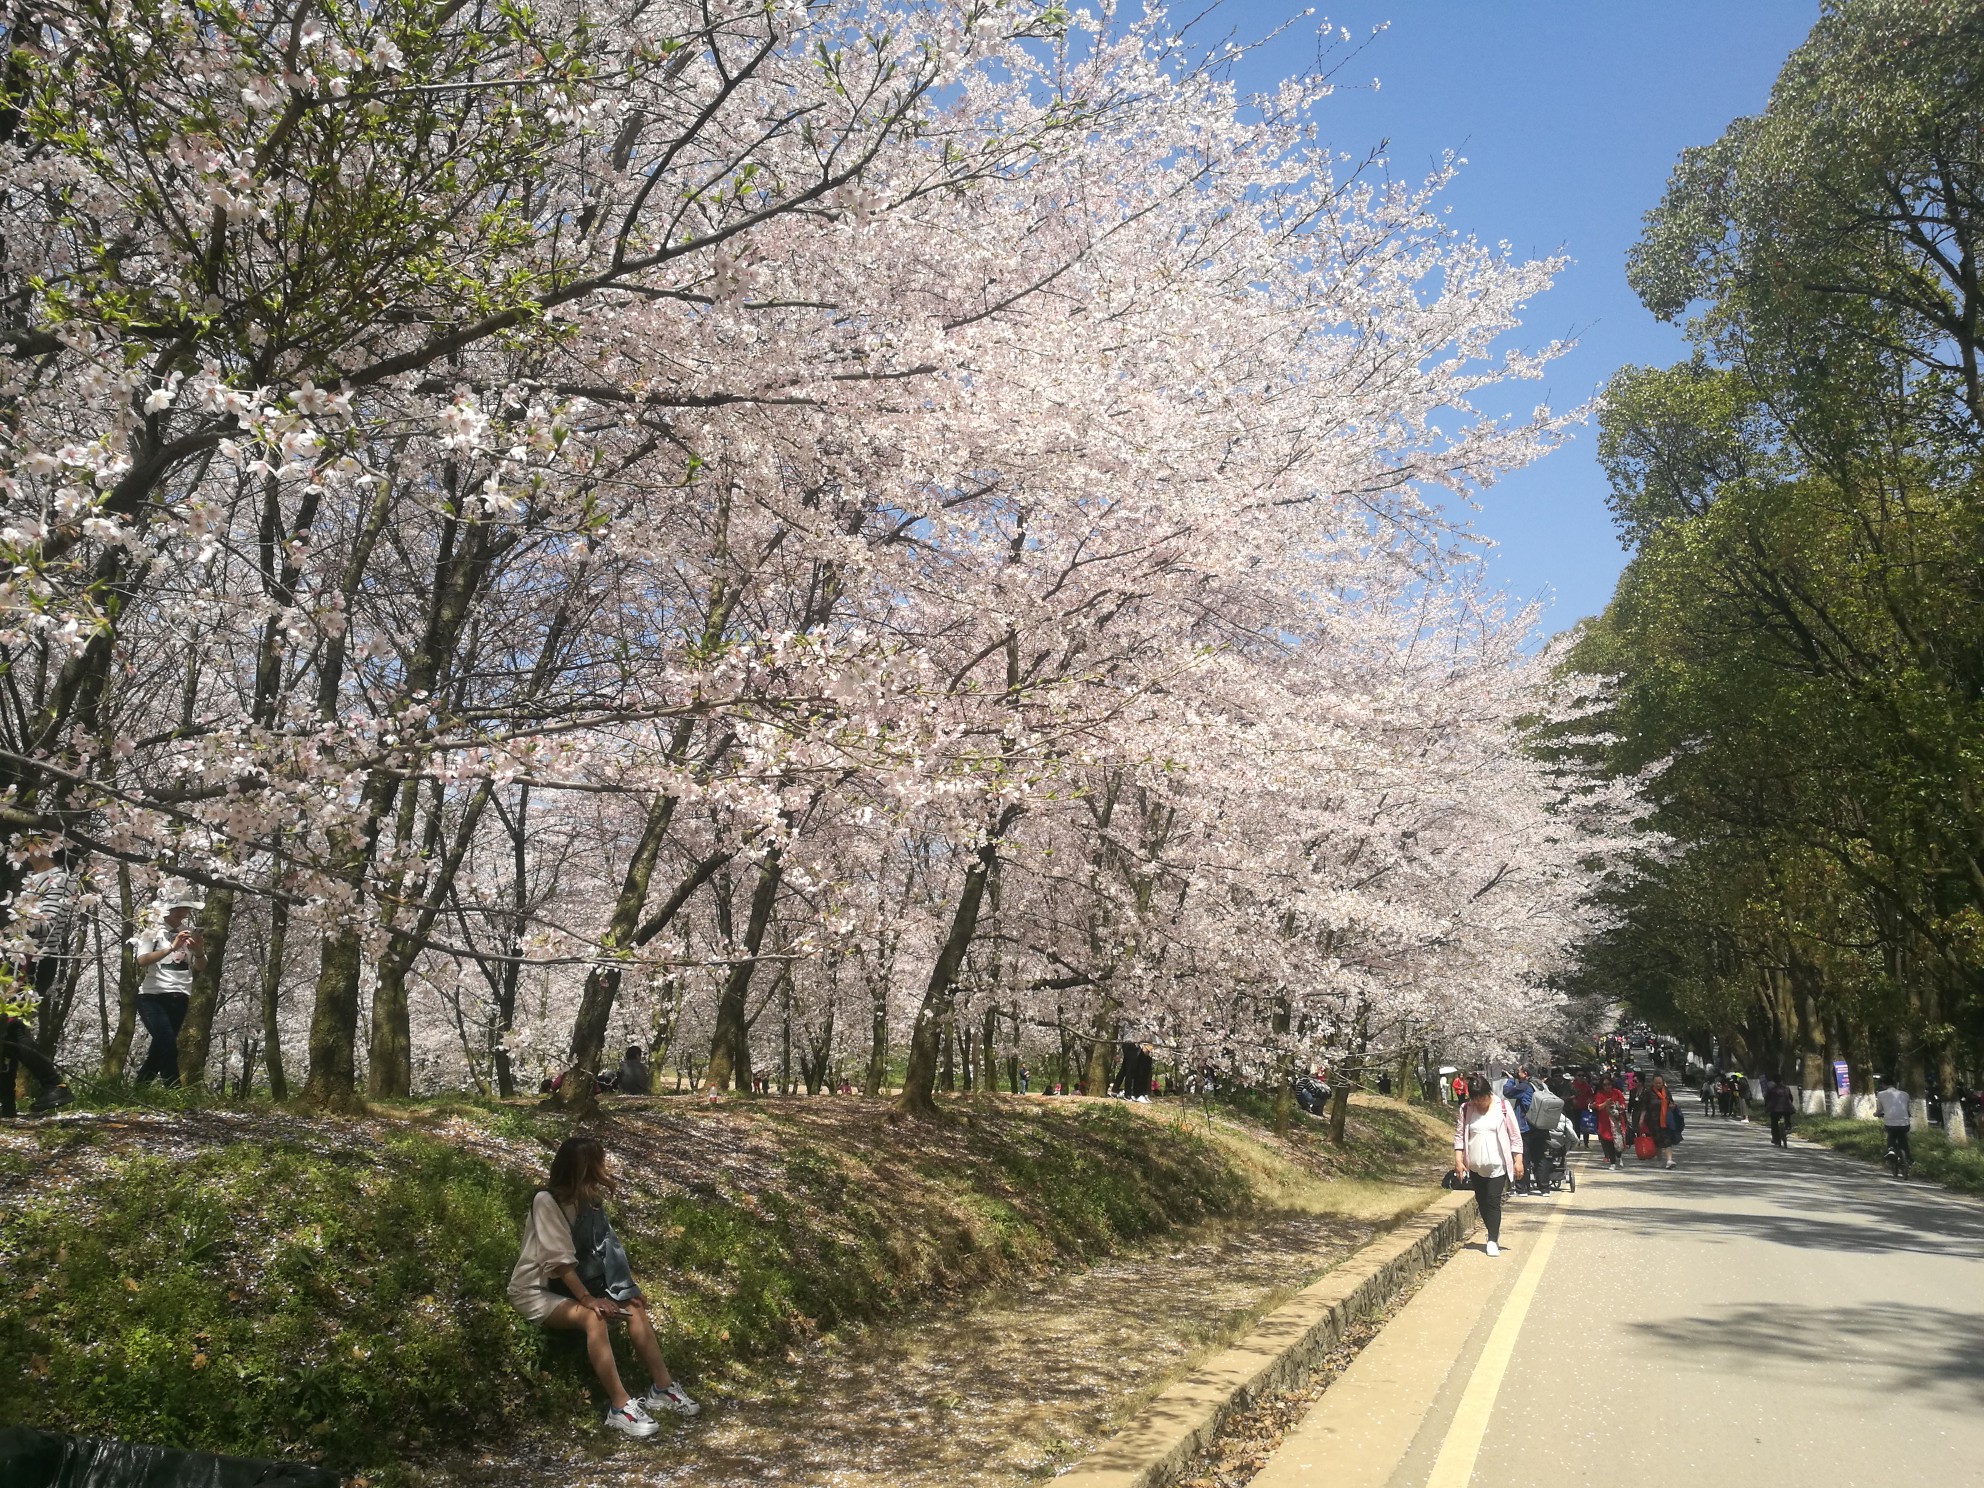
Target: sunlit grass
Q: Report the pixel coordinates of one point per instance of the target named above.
(1959, 1168)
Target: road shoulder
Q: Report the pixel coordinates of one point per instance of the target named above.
(1397, 1400)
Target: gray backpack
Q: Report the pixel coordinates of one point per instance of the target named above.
(602, 1262)
(1545, 1110)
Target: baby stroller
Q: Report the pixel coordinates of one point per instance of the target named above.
(1561, 1141)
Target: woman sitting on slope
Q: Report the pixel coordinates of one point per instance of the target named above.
(573, 1274)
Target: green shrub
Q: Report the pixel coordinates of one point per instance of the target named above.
(265, 1296)
(1960, 1168)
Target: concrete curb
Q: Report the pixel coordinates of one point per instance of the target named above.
(1156, 1447)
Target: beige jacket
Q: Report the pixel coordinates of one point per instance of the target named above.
(547, 1249)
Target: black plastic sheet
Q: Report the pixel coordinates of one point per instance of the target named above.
(30, 1458)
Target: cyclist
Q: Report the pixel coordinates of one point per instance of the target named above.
(1895, 1116)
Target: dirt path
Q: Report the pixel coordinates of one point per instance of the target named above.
(1000, 1393)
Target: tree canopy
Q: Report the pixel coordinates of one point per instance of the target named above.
(785, 532)
(1794, 649)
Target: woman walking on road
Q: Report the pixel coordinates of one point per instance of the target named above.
(1487, 1145)
(1659, 1119)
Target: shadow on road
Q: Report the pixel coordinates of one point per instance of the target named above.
(1933, 1356)
(1732, 1187)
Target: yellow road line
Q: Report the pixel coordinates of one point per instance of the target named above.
(1455, 1464)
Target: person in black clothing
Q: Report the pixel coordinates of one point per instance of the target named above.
(1133, 1074)
(17, 1049)
(1779, 1103)
(633, 1078)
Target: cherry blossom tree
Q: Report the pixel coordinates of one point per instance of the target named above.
(927, 519)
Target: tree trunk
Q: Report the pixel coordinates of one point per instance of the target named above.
(785, 1039)
(878, 1035)
(389, 1051)
(1812, 1072)
(664, 1029)
(334, 1024)
(389, 1070)
(52, 1017)
(602, 986)
(196, 1034)
(603, 982)
(934, 1015)
(271, 1001)
(1339, 1110)
(817, 1060)
(119, 1051)
(730, 1041)
(511, 972)
(458, 575)
(1095, 1063)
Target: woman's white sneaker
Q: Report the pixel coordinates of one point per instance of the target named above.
(630, 1420)
(1493, 1248)
(674, 1398)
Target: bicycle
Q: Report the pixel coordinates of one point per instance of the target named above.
(1898, 1160)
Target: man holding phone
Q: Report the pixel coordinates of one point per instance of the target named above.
(169, 952)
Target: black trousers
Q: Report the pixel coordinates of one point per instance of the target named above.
(1780, 1125)
(1488, 1199)
(1536, 1159)
(161, 1013)
(17, 1048)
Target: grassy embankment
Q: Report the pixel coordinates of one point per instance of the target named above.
(259, 1282)
(1960, 1168)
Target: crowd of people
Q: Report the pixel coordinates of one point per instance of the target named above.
(1511, 1137)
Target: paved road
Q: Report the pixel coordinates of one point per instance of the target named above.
(1752, 1316)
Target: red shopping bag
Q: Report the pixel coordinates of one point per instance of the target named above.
(1643, 1146)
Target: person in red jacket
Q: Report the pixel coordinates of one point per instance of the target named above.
(1657, 1120)
(1608, 1105)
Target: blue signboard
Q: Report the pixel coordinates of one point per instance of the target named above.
(1839, 1077)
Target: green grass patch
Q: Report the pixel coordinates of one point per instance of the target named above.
(267, 1296)
(1959, 1168)
(267, 1284)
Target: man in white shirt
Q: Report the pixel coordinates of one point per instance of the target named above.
(1894, 1107)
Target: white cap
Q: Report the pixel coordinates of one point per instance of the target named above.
(176, 893)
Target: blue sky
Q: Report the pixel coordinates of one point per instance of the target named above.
(1570, 114)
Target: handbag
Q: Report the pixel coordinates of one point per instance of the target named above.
(1643, 1146)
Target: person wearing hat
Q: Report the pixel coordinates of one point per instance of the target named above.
(168, 953)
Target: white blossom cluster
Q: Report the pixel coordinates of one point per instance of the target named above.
(816, 524)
